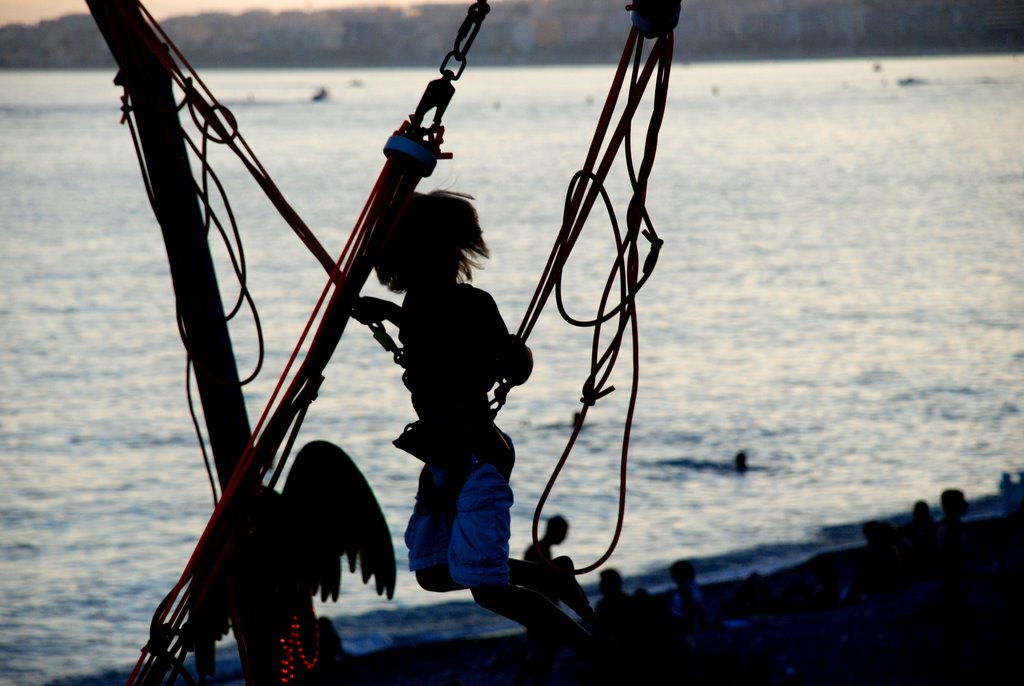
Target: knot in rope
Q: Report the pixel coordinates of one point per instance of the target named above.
(591, 394)
(617, 305)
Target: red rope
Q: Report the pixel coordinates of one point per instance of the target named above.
(207, 112)
(393, 189)
(296, 387)
(585, 189)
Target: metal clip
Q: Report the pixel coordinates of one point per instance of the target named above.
(437, 95)
(382, 337)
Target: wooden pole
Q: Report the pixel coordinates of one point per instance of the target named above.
(178, 212)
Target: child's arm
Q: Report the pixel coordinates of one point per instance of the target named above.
(369, 310)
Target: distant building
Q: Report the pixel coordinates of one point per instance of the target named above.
(545, 31)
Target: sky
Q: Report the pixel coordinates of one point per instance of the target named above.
(33, 11)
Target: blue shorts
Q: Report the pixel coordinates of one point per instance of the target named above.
(475, 541)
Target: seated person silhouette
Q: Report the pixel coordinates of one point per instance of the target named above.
(882, 567)
(555, 532)
(541, 652)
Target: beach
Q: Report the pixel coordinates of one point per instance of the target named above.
(881, 638)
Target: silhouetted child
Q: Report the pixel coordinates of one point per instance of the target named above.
(456, 346)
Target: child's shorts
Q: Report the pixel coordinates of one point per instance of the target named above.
(478, 552)
(476, 543)
(428, 535)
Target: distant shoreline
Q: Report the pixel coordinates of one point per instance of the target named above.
(679, 61)
(526, 32)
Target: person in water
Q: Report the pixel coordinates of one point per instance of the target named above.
(455, 347)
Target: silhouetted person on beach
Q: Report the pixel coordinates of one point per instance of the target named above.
(951, 545)
(613, 617)
(881, 568)
(686, 603)
(654, 648)
(918, 537)
(688, 617)
(613, 612)
(822, 592)
(753, 597)
(826, 591)
(633, 631)
(1010, 570)
(455, 348)
(537, 665)
(554, 533)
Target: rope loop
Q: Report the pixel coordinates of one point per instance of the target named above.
(617, 305)
(273, 436)
(216, 117)
(591, 394)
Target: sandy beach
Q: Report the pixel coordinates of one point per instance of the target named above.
(881, 638)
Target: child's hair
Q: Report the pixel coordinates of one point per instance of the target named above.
(438, 232)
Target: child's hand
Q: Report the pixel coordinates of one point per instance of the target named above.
(516, 361)
(372, 310)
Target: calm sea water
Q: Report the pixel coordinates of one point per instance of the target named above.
(840, 295)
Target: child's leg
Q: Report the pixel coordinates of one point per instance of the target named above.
(554, 584)
(536, 613)
(437, 579)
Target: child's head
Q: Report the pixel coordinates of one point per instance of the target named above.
(438, 238)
